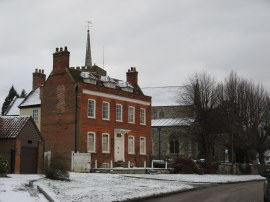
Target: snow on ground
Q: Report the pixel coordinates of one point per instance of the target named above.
(16, 188)
(192, 178)
(112, 187)
(106, 187)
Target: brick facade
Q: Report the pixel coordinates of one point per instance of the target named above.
(65, 122)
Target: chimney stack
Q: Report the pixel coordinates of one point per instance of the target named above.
(39, 78)
(60, 60)
(132, 76)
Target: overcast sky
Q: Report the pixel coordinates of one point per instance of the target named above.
(166, 40)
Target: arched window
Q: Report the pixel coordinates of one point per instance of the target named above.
(161, 114)
(174, 146)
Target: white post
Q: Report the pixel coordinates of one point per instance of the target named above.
(144, 164)
(72, 160)
(226, 156)
(111, 164)
(152, 164)
(128, 164)
(95, 163)
(166, 165)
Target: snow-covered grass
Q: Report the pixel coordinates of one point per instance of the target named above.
(15, 188)
(106, 187)
(112, 187)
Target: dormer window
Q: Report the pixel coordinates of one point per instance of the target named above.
(108, 82)
(88, 78)
(125, 86)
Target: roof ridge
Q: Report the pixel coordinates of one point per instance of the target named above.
(161, 87)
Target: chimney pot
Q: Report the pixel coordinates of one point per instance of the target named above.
(66, 48)
(42, 71)
(60, 60)
(132, 76)
(38, 79)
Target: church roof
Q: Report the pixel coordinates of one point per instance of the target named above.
(164, 96)
(171, 122)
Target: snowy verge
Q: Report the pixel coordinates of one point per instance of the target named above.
(111, 187)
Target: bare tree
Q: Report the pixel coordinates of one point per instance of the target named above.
(201, 92)
(246, 108)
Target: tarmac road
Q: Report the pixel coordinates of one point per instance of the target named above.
(239, 192)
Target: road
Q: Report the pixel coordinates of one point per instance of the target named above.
(239, 192)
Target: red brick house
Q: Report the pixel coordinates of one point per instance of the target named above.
(84, 110)
(21, 144)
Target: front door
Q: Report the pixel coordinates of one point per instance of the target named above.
(119, 147)
(28, 160)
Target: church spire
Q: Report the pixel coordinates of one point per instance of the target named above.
(88, 57)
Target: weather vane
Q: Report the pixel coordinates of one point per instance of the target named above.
(88, 24)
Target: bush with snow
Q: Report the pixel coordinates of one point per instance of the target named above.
(57, 169)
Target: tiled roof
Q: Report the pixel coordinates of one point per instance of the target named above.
(13, 109)
(78, 77)
(11, 126)
(171, 122)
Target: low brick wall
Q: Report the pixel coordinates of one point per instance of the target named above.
(238, 169)
(130, 170)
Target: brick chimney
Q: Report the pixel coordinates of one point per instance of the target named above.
(60, 60)
(39, 78)
(132, 76)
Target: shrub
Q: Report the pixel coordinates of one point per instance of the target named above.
(57, 169)
(208, 168)
(3, 167)
(185, 165)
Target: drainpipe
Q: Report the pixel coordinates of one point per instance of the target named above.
(76, 114)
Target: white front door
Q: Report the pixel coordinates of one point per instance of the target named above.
(119, 147)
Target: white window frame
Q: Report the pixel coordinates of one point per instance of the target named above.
(142, 116)
(94, 108)
(131, 147)
(108, 146)
(94, 142)
(131, 117)
(108, 112)
(117, 113)
(35, 115)
(142, 147)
